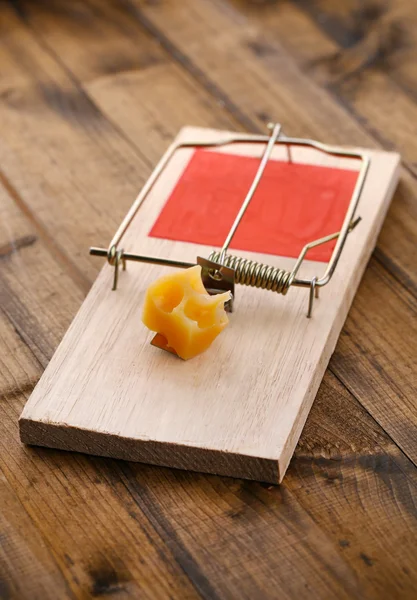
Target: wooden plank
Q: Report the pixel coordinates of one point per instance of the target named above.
(252, 429)
(14, 355)
(48, 130)
(39, 304)
(118, 97)
(386, 390)
(372, 37)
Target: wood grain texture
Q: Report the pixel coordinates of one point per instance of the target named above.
(107, 392)
(349, 485)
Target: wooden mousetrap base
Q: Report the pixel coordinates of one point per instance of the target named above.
(239, 408)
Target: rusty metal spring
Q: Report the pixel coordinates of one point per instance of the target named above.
(254, 274)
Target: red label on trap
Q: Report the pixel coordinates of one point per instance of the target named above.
(293, 205)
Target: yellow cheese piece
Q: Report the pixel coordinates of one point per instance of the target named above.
(179, 308)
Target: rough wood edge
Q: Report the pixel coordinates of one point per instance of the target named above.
(163, 454)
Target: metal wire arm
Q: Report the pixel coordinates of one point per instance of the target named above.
(220, 270)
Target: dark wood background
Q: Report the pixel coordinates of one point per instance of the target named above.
(91, 93)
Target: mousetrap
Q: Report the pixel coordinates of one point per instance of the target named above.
(286, 225)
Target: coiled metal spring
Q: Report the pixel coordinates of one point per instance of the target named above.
(254, 274)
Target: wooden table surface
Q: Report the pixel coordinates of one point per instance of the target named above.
(91, 93)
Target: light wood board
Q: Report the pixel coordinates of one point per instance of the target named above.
(239, 408)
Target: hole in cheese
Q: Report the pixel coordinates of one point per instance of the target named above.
(196, 311)
(171, 295)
